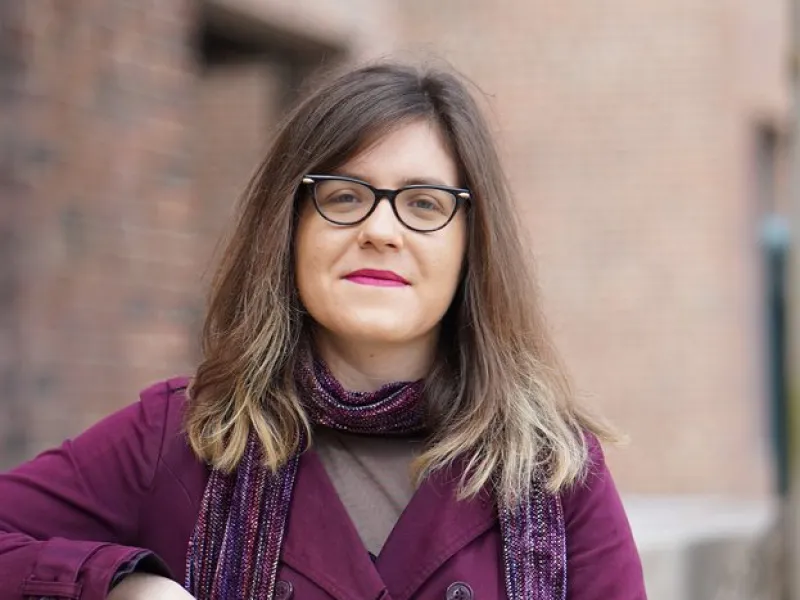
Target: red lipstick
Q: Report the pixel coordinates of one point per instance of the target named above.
(376, 277)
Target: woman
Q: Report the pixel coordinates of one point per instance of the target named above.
(378, 412)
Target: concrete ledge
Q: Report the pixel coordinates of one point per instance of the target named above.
(705, 548)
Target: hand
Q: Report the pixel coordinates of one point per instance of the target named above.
(144, 586)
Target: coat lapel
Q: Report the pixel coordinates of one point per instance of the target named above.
(323, 544)
(321, 541)
(433, 528)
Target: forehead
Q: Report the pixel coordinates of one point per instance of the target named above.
(412, 151)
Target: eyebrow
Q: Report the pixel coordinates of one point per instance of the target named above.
(403, 183)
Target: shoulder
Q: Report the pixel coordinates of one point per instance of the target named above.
(143, 428)
(138, 428)
(164, 405)
(595, 482)
(602, 556)
(164, 392)
(178, 472)
(165, 401)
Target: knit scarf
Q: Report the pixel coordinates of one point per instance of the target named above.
(235, 549)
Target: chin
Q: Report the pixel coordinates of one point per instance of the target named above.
(381, 335)
(384, 331)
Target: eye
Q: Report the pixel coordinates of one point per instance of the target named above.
(343, 197)
(425, 202)
(342, 194)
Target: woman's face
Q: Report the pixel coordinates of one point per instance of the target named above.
(364, 309)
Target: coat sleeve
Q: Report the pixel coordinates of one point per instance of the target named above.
(602, 560)
(69, 517)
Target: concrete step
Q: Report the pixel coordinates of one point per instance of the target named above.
(707, 548)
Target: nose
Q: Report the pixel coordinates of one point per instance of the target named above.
(382, 229)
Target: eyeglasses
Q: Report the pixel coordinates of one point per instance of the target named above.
(348, 201)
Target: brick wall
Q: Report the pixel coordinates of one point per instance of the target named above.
(13, 188)
(228, 150)
(627, 130)
(104, 253)
(127, 141)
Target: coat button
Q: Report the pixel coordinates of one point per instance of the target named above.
(459, 591)
(284, 590)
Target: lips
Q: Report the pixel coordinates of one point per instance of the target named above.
(377, 278)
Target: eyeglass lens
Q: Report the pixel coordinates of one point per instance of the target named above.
(347, 202)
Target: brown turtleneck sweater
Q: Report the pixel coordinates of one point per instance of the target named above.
(372, 476)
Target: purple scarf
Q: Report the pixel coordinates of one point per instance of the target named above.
(241, 524)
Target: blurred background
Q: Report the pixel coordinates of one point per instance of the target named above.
(651, 147)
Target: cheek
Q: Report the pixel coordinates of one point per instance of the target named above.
(310, 285)
(446, 261)
(318, 249)
(306, 256)
(455, 249)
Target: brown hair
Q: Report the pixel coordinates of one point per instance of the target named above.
(499, 400)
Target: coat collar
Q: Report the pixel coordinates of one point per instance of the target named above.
(322, 542)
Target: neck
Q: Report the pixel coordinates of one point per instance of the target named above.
(364, 367)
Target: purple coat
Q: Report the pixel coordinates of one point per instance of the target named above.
(72, 516)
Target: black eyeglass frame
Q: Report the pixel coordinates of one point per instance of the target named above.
(461, 195)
